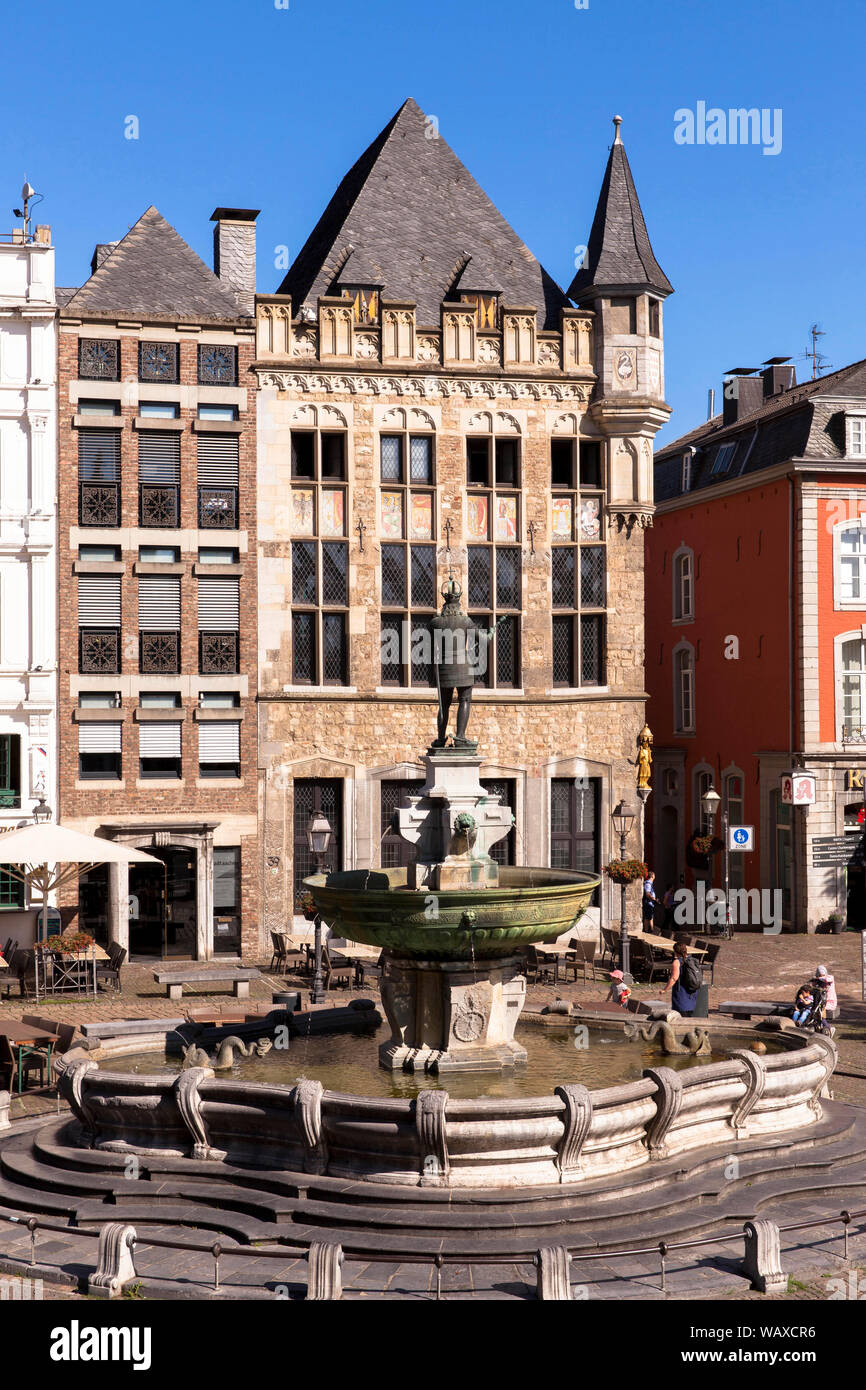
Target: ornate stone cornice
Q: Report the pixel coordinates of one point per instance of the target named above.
(425, 386)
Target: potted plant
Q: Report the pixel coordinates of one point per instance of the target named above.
(626, 870)
(836, 922)
(71, 944)
(700, 848)
(307, 906)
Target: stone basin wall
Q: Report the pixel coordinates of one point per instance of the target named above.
(569, 1137)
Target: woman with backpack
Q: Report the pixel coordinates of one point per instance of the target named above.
(684, 980)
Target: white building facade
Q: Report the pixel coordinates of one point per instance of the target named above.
(28, 529)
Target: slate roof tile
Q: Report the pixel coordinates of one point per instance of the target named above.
(411, 211)
(153, 273)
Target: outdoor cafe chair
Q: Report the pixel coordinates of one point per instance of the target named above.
(109, 971)
(31, 1060)
(644, 958)
(336, 969)
(278, 959)
(582, 953)
(708, 961)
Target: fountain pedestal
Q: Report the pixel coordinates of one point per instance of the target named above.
(453, 822)
(451, 1015)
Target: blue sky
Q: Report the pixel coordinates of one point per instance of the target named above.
(244, 104)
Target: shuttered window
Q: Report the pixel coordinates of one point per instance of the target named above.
(159, 457)
(159, 740)
(99, 738)
(98, 456)
(98, 600)
(219, 742)
(158, 604)
(218, 605)
(217, 460)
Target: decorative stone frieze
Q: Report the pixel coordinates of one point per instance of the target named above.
(430, 1107)
(189, 1104)
(307, 1097)
(756, 1075)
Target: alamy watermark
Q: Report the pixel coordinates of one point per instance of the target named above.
(708, 907)
(737, 126)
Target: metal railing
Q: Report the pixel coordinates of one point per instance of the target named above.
(332, 1288)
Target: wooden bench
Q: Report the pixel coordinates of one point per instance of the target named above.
(745, 1008)
(238, 976)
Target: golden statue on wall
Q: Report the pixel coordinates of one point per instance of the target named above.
(644, 757)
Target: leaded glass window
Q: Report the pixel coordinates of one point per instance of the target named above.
(158, 362)
(407, 511)
(578, 563)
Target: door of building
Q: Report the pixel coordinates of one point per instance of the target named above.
(163, 906)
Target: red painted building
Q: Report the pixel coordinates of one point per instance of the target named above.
(756, 638)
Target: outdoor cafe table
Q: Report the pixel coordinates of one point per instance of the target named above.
(664, 943)
(65, 974)
(26, 1038)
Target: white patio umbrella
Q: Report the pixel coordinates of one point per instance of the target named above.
(47, 855)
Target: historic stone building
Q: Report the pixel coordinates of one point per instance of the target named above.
(157, 586)
(430, 398)
(28, 484)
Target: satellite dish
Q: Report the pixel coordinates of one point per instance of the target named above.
(28, 190)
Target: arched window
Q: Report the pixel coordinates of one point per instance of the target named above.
(684, 586)
(734, 803)
(703, 780)
(684, 689)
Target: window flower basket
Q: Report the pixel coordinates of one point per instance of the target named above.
(626, 870)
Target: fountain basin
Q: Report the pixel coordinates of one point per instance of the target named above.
(376, 907)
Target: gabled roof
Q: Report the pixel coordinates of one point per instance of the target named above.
(152, 273)
(409, 209)
(805, 421)
(619, 254)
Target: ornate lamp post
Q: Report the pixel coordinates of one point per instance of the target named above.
(623, 818)
(319, 836)
(41, 812)
(710, 803)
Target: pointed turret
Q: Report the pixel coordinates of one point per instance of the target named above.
(619, 257)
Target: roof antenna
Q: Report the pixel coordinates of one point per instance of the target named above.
(819, 361)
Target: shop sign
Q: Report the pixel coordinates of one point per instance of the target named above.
(798, 789)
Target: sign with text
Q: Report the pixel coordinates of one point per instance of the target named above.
(836, 851)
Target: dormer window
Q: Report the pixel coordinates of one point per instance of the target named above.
(365, 302)
(856, 447)
(724, 457)
(686, 479)
(486, 309)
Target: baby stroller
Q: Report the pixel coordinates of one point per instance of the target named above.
(815, 1018)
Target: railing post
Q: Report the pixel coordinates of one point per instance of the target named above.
(663, 1250)
(116, 1266)
(552, 1282)
(324, 1271)
(763, 1263)
(216, 1250)
(845, 1218)
(439, 1261)
(31, 1226)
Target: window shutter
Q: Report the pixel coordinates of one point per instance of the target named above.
(159, 740)
(218, 605)
(99, 738)
(98, 456)
(158, 604)
(219, 742)
(98, 600)
(217, 460)
(159, 457)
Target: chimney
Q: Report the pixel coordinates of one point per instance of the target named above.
(778, 375)
(741, 394)
(234, 252)
(43, 234)
(101, 253)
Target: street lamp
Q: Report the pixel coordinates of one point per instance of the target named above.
(319, 836)
(710, 803)
(42, 813)
(623, 818)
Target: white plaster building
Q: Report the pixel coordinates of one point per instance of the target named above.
(28, 569)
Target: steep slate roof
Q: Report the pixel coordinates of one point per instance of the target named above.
(412, 211)
(802, 422)
(152, 273)
(619, 253)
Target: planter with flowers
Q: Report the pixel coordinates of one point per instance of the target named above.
(700, 849)
(72, 944)
(625, 871)
(306, 906)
